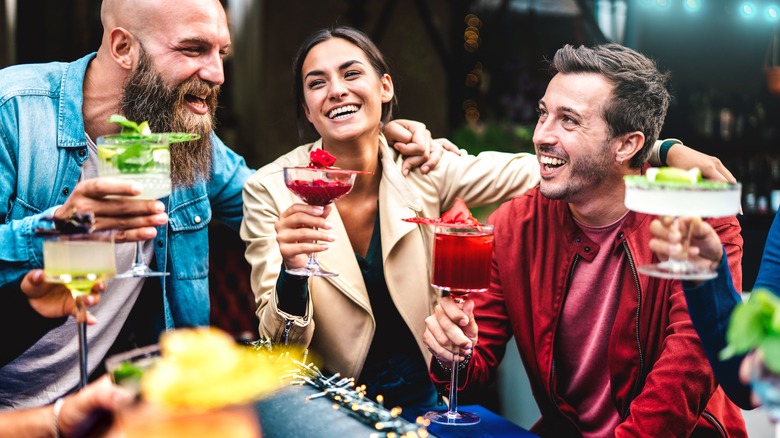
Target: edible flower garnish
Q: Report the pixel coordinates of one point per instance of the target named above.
(76, 223)
(459, 214)
(320, 158)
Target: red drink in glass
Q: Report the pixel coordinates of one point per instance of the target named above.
(461, 258)
(319, 192)
(462, 255)
(320, 187)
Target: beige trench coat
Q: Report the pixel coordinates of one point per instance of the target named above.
(339, 325)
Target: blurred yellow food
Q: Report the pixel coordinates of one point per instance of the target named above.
(203, 368)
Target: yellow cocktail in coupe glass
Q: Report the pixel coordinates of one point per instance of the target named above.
(79, 261)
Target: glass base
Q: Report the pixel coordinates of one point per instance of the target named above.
(677, 270)
(311, 272)
(452, 418)
(141, 271)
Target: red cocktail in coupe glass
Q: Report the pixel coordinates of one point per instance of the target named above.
(462, 254)
(317, 186)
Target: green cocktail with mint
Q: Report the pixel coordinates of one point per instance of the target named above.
(141, 157)
(138, 155)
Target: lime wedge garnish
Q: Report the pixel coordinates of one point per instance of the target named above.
(674, 174)
(106, 154)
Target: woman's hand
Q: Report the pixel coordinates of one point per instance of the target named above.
(301, 230)
(55, 300)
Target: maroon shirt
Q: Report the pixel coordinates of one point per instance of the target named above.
(583, 333)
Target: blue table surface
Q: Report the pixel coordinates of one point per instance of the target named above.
(288, 414)
(490, 425)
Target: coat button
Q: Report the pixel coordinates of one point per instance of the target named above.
(65, 191)
(578, 240)
(587, 249)
(159, 243)
(82, 153)
(197, 219)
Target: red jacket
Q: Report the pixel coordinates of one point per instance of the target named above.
(662, 384)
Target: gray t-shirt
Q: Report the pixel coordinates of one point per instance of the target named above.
(50, 368)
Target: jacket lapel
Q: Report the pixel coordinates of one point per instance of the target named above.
(397, 200)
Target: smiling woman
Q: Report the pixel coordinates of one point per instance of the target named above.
(366, 322)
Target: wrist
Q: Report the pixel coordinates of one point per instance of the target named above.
(55, 417)
(461, 365)
(663, 151)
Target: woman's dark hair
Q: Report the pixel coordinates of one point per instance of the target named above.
(355, 37)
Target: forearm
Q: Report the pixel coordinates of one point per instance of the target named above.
(292, 293)
(33, 423)
(660, 150)
(710, 305)
(20, 249)
(487, 178)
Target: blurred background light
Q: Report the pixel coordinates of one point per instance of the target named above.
(747, 10)
(663, 4)
(772, 12)
(692, 5)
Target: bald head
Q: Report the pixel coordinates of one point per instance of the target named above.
(141, 16)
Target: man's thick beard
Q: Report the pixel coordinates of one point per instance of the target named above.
(146, 97)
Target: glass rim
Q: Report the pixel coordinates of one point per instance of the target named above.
(464, 227)
(82, 235)
(132, 138)
(326, 170)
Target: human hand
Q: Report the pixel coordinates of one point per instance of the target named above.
(414, 142)
(711, 167)
(704, 249)
(109, 200)
(81, 411)
(54, 300)
(746, 368)
(301, 230)
(451, 330)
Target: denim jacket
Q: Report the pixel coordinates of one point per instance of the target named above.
(42, 148)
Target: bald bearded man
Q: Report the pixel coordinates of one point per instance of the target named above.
(161, 62)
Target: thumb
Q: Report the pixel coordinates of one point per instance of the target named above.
(468, 309)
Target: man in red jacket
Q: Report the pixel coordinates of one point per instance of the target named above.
(607, 351)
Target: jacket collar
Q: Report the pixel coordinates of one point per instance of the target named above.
(70, 120)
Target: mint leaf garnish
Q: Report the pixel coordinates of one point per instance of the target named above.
(755, 324)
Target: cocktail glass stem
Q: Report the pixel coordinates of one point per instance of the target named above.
(452, 411)
(312, 268)
(81, 322)
(139, 267)
(313, 264)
